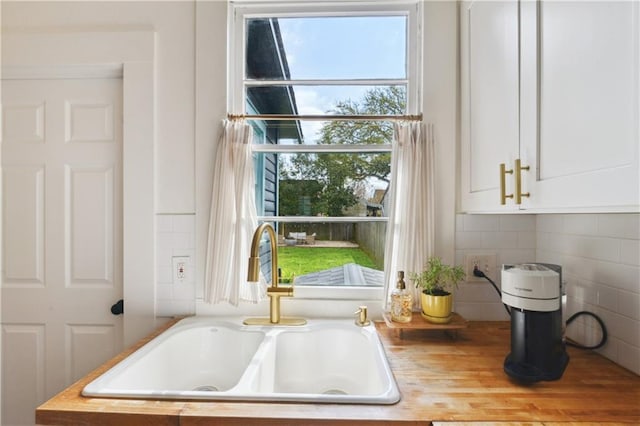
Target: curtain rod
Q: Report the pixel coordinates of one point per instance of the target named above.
(290, 117)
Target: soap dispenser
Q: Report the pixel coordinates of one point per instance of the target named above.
(401, 301)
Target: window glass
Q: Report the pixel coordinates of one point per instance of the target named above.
(346, 47)
(343, 99)
(332, 254)
(324, 183)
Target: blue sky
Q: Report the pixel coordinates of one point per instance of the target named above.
(341, 48)
(345, 47)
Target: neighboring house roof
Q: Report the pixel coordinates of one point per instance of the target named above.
(267, 59)
(346, 275)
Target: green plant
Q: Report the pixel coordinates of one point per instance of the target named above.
(437, 278)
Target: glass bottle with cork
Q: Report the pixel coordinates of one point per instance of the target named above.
(401, 301)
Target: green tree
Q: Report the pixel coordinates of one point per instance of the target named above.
(341, 175)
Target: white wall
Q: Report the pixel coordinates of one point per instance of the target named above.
(174, 25)
(440, 106)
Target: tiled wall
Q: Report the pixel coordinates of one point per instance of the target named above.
(175, 237)
(600, 259)
(511, 237)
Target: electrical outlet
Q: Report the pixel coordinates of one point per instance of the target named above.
(485, 262)
(180, 268)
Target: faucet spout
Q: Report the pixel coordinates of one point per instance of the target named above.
(274, 292)
(254, 258)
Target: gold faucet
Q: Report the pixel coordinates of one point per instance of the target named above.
(274, 292)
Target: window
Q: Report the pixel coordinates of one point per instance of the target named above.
(310, 75)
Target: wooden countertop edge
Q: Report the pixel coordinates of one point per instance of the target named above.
(70, 407)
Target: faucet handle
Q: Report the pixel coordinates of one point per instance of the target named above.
(361, 319)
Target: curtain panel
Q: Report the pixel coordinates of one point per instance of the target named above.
(411, 226)
(232, 219)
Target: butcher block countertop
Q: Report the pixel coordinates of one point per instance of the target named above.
(442, 377)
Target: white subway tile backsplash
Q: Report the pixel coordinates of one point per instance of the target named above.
(629, 356)
(543, 241)
(526, 240)
(629, 304)
(620, 327)
(549, 223)
(183, 224)
(164, 274)
(182, 240)
(584, 333)
(598, 256)
(625, 226)
(175, 236)
(582, 291)
(607, 298)
(476, 292)
(515, 255)
(630, 252)
(607, 249)
(580, 224)
(184, 292)
(499, 239)
(163, 256)
(600, 259)
(517, 222)
(617, 275)
(170, 308)
(164, 291)
(469, 240)
(481, 222)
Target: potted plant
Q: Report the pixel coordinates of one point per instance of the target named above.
(437, 281)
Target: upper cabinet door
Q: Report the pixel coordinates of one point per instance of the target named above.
(489, 101)
(579, 128)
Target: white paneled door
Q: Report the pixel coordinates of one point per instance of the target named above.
(62, 227)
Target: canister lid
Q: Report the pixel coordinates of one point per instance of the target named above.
(531, 286)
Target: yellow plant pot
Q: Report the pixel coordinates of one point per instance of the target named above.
(436, 309)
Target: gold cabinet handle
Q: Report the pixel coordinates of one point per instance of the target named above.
(519, 194)
(503, 187)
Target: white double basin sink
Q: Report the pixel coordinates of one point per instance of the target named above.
(209, 358)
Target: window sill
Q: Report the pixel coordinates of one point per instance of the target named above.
(338, 293)
(309, 302)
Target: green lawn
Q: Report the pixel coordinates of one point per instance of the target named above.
(303, 260)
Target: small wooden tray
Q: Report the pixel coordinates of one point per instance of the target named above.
(419, 323)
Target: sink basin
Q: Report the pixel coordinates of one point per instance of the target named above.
(324, 362)
(192, 356)
(209, 358)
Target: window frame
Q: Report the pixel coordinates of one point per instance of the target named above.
(240, 10)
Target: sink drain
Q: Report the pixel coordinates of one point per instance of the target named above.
(206, 388)
(335, 392)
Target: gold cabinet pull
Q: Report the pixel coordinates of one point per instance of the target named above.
(519, 194)
(503, 184)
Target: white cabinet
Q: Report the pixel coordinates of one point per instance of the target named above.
(576, 99)
(490, 99)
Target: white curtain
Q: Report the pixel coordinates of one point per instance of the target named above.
(410, 230)
(233, 218)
